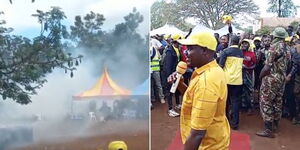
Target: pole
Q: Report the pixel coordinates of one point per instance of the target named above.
(279, 9)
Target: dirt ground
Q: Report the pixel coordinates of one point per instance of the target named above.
(96, 137)
(163, 130)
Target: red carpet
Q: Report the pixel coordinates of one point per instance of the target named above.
(239, 141)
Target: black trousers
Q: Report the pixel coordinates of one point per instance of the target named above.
(289, 103)
(233, 104)
(170, 97)
(256, 75)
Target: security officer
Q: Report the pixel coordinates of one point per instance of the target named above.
(273, 80)
(155, 69)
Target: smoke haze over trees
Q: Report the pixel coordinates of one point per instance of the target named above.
(25, 63)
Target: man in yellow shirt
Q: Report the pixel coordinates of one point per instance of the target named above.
(203, 122)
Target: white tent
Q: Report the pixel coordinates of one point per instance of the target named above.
(224, 30)
(166, 29)
(200, 27)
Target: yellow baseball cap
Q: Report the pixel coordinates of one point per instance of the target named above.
(203, 39)
(257, 39)
(246, 40)
(251, 44)
(288, 39)
(176, 37)
(166, 36)
(117, 145)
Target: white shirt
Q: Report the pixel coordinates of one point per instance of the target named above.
(155, 43)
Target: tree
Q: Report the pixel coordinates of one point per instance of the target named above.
(125, 39)
(32, 1)
(122, 42)
(162, 13)
(87, 33)
(210, 12)
(249, 30)
(24, 63)
(265, 30)
(126, 33)
(284, 8)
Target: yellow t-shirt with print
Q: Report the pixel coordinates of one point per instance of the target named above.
(203, 107)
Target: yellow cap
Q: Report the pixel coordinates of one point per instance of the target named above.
(227, 18)
(257, 38)
(251, 44)
(117, 145)
(203, 39)
(288, 39)
(167, 36)
(176, 37)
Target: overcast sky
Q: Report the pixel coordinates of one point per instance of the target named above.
(18, 14)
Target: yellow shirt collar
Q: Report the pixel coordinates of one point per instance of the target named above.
(236, 46)
(177, 53)
(205, 67)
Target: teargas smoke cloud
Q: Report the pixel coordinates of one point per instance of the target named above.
(48, 116)
(54, 118)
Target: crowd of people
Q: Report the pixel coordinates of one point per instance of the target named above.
(262, 72)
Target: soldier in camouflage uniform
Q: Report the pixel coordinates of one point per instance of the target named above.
(273, 80)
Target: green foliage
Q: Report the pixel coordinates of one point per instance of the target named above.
(127, 38)
(162, 13)
(265, 30)
(122, 41)
(24, 63)
(249, 30)
(295, 25)
(87, 31)
(129, 27)
(32, 1)
(287, 8)
(88, 34)
(206, 12)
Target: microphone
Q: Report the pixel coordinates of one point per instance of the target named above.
(180, 69)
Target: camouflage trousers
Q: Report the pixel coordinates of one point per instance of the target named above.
(272, 89)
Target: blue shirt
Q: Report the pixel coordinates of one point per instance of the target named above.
(164, 43)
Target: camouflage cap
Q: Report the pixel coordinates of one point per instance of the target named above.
(280, 32)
